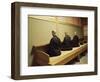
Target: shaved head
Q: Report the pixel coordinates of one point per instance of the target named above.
(53, 33)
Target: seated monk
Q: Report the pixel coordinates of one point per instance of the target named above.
(81, 41)
(54, 46)
(75, 41)
(67, 43)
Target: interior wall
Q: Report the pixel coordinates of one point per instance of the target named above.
(39, 31)
(70, 29)
(85, 30)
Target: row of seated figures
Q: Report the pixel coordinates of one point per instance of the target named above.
(57, 53)
(41, 57)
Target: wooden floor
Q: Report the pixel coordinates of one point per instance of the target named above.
(83, 60)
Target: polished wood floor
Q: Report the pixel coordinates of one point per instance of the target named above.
(83, 60)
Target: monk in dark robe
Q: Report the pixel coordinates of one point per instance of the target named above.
(67, 43)
(75, 41)
(81, 40)
(54, 46)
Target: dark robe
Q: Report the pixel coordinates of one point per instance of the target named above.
(67, 43)
(75, 41)
(81, 41)
(54, 47)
